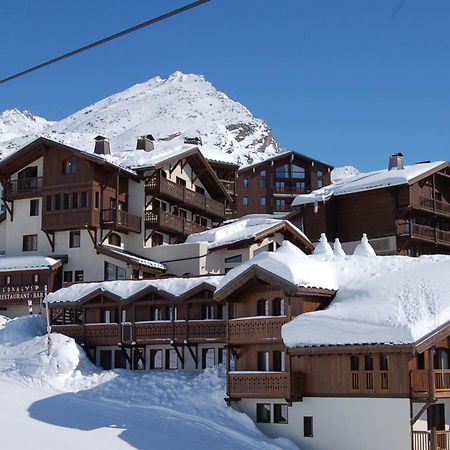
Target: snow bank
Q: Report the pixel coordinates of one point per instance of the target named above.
(382, 299)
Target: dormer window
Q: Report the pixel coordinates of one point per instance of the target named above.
(69, 167)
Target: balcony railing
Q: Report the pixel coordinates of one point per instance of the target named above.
(422, 440)
(241, 331)
(158, 185)
(289, 190)
(120, 220)
(420, 384)
(424, 233)
(23, 187)
(264, 385)
(430, 204)
(172, 223)
(67, 219)
(147, 332)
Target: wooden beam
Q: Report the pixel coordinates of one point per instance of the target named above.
(51, 239)
(10, 209)
(422, 410)
(93, 235)
(194, 356)
(180, 356)
(172, 168)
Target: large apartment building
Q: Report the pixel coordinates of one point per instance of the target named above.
(404, 210)
(99, 214)
(270, 186)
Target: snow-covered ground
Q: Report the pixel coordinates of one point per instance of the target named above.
(63, 401)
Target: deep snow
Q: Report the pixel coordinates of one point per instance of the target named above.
(63, 401)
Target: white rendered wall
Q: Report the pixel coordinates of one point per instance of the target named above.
(341, 423)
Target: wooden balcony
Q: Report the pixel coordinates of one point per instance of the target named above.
(157, 332)
(171, 223)
(162, 187)
(424, 233)
(23, 188)
(265, 385)
(438, 207)
(424, 440)
(120, 220)
(420, 384)
(70, 219)
(247, 331)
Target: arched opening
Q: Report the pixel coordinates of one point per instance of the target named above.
(278, 307)
(262, 307)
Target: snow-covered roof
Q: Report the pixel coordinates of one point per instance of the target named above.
(12, 263)
(380, 300)
(290, 264)
(248, 227)
(124, 289)
(368, 181)
(131, 257)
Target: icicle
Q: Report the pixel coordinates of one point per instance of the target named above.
(337, 248)
(323, 247)
(364, 248)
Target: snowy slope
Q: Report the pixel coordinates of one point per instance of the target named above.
(63, 401)
(182, 103)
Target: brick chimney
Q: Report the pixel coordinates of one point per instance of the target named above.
(396, 161)
(145, 143)
(102, 146)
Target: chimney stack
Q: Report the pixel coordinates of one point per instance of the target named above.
(396, 161)
(193, 140)
(145, 143)
(102, 146)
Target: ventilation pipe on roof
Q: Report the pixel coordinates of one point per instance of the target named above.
(145, 143)
(102, 146)
(396, 161)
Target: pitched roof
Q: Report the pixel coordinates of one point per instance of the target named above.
(249, 229)
(371, 180)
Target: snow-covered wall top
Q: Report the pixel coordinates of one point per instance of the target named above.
(380, 300)
(126, 288)
(367, 181)
(9, 263)
(246, 227)
(183, 105)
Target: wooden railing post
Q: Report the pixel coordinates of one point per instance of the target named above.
(433, 439)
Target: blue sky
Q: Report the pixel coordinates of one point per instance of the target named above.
(345, 81)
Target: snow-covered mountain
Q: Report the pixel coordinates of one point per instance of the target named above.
(183, 104)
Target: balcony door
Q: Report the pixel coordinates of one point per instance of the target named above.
(442, 358)
(27, 178)
(436, 417)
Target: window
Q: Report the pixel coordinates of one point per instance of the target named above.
(263, 412)
(263, 173)
(245, 183)
(8, 279)
(263, 183)
(35, 278)
(207, 357)
(298, 171)
(279, 361)
(368, 362)
(74, 239)
(106, 316)
(157, 239)
(300, 186)
(67, 276)
(279, 186)
(57, 202)
(280, 413)
(233, 259)
(113, 272)
(49, 202)
(34, 207)
(222, 312)
(384, 362)
(436, 416)
(181, 181)
(282, 171)
(171, 359)
(354, 362)
(97, 200)
(156, 361)
(208, 312)
(75, 200)
(84, 200)
(29, 243)
(263, 359)
(319, 174)
(245, 201)
(114, 239)
(120, 359)
(307, 426)
(79, 275)
(173, 312)
(262, 307)
(69, 167)
(155, 314)
(280, 204)
(66, 201)
(320, 183)
(278, 307)
(263, 201)
(200, 190)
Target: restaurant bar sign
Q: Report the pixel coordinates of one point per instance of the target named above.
(23, 292)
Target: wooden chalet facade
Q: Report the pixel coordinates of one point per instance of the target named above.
(153, 328)
(270, 186)
(99, 218)
(411, 218)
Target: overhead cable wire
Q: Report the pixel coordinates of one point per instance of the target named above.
(106, 39)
